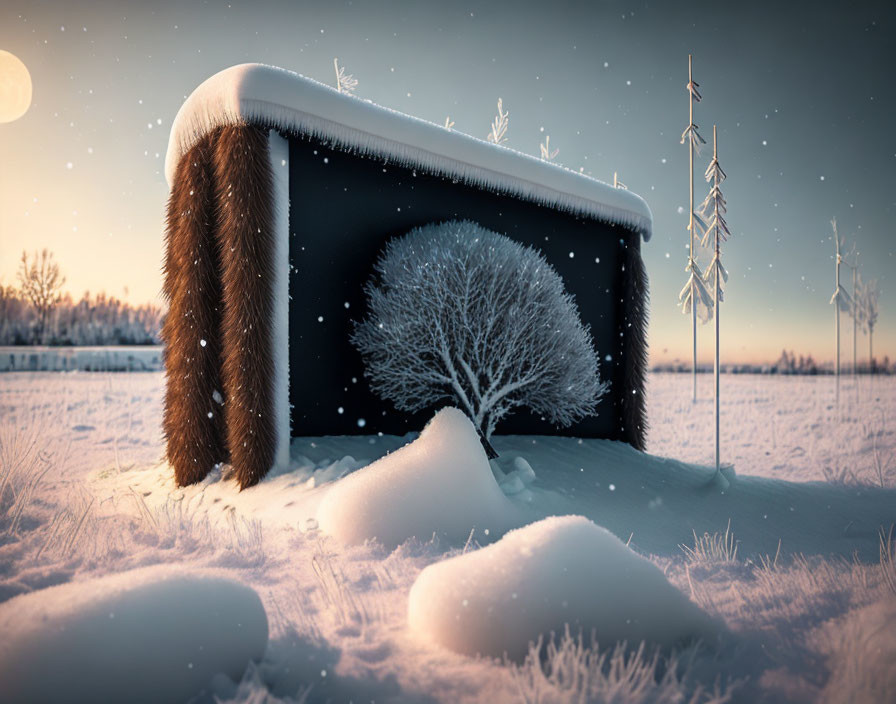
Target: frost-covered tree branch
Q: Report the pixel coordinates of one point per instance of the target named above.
(870, 310)
(345, 82)
(695, 293)
(40, 281)
(694, 298)
(498, 132)
(713, 208)
(460, 313)
(546, 152)
(841, 299)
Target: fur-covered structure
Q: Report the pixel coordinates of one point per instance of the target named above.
(228, 399)
(633, 315)
(218, 354)
(244, 199)
(193, 420)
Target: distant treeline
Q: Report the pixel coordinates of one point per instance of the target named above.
(93, 320)
(789, 363)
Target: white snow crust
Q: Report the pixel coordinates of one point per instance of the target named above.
(291, 103)
(536, 580)
(155, 634)
(439, 484)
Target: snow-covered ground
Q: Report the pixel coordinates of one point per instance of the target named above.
(128, 358)
(797, 588)
(781, 427)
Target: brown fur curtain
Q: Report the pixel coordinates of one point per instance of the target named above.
(193, 420)
(634, 320)
(217, 334)
(244, 193)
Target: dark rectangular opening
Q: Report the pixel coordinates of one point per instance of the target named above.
(344, 207)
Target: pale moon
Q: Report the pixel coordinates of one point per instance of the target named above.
(15, 87)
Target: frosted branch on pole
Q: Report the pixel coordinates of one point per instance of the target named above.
(713, 209)
(694, 295)
(841, 296)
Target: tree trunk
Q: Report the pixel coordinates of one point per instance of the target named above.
(490, 451)
(41, 326)
(871, 350)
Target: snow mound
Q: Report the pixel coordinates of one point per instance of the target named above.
(441, 483)
(517, 481)
(560, 570)
(150, 635)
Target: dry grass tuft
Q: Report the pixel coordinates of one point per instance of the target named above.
(712, 548)
(23, 464)
(336, 590)
(566, 671)
(888, 559)
(65, 534)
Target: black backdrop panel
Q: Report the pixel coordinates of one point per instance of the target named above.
(344, 208)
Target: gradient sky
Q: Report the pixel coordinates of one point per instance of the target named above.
(802, 93)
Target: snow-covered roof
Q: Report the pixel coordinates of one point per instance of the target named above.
(273, 97)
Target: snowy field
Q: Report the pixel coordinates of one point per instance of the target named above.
(773, 588)
(129, 358)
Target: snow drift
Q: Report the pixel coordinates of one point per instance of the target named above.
(560, 570)
(148, 635)
(441, 483)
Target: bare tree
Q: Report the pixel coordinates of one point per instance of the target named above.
(852, 261)
(869, 303)
(40, 282)
(14, 314)
(457, 312)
